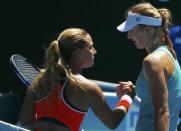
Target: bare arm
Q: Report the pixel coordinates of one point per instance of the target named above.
(154, 73)
(111, 118)
(27, 113)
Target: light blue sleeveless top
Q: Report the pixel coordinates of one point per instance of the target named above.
(145, 120)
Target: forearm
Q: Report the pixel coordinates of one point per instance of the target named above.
(118, 115)
(122, 107)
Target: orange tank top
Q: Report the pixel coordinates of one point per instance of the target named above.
(54, 106)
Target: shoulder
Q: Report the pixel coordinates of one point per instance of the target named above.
(87, 82)
(154, 59)
(153, 64)
(94, 93)
(89, 85)
(158, 60)
(151, 60)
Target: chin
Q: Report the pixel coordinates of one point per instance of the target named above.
(90, 65)
(139, 47)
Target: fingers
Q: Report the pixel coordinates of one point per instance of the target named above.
(125, 88)
(128, 84)
(122, 91)
(131, 84)
(122, 82)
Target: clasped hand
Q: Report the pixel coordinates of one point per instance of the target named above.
(125, 88)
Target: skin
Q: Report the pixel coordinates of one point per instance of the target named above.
(157, 66)
(89, 96)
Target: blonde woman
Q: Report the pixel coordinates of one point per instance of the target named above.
(60, 97)
(159, 82)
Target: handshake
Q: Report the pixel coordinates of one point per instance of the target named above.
(125, 88)
(126, 92)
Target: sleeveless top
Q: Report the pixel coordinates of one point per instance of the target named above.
(55, 107)
(145, 120)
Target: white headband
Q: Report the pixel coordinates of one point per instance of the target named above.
(135, 19)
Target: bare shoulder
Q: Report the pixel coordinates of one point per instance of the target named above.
(154, 57)
(88, 84)
(94, 94)
(158, 60)
(153, 64)
(154, 60)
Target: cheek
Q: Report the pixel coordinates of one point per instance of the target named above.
(144, 39)
(130, 34)
(133, 34)
(87, 56)
(90, 58)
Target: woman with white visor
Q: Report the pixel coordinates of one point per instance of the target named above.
(159, 82)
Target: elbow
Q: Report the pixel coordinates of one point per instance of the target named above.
(163, 115)
(114, 120)
(113, 125)
(166, 115)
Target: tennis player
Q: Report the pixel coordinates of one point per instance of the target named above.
(60, 97)
(159, 82)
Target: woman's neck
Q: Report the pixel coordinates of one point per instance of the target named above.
(76, 70)
(154, 45)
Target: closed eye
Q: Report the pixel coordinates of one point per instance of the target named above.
(90, 47)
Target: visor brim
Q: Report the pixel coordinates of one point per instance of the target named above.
(126, 26)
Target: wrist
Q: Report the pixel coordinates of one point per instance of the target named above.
(132, 94)
(125, 101)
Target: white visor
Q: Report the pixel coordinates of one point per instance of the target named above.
(135, 19)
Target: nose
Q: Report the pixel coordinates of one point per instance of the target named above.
(94, 50)
(129, 35)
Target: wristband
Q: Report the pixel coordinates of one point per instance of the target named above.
(125, 101)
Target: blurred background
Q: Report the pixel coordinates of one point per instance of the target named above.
(28, 27)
